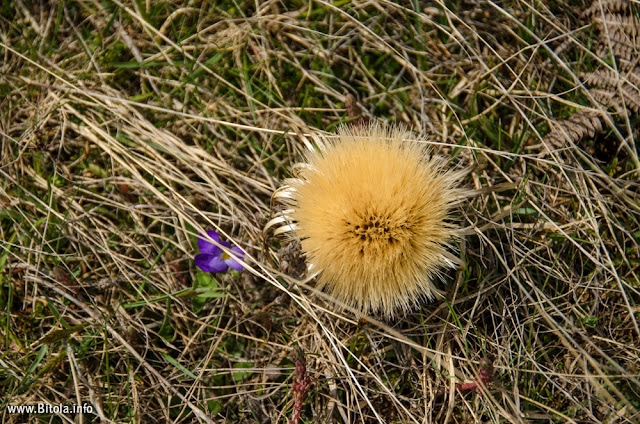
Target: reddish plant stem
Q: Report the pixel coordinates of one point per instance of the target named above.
(485, 377)
(300, 386)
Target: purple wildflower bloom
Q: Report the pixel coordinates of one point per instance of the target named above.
(213, 259)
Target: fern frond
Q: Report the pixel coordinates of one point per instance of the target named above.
(610, 6)
(626, 26)
(631, 98)
(619, 30)
(609, 98)
(581, 124)
(607, 77)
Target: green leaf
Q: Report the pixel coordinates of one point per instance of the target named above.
(208, 64)
(241, 376)
(205, 280)
(206, 287)
(179, 366)
(205, 292)
(214, 406)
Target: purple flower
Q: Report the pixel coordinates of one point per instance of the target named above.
(213, 259)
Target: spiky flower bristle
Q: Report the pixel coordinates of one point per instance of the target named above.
(371, 211)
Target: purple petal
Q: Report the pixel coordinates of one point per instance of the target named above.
(235, 258)
(206, 246)
(202, 261)
(210, 263)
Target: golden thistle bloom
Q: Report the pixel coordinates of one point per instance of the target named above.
(371, 212)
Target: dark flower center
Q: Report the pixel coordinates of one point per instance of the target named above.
(379, 230)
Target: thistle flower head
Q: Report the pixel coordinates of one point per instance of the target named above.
(371, 212)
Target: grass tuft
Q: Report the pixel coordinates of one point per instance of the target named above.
(128, 127)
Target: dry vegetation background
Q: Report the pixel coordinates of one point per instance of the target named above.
(128, 127)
